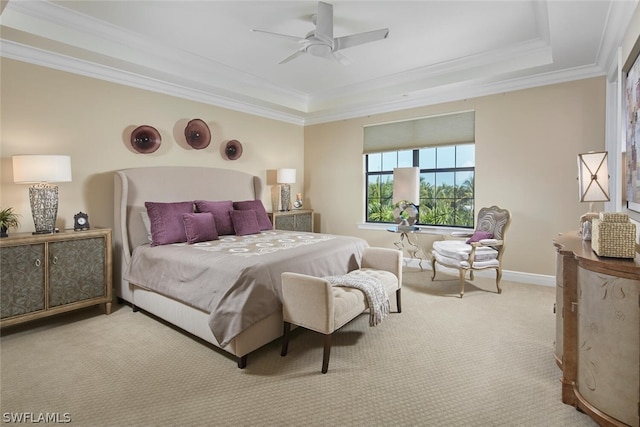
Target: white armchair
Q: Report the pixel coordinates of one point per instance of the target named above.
(482, 250)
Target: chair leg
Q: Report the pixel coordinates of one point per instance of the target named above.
(462, 272)
(285, 338)
(433, 268)
(326, 353)
(498, 278)
(398, 301)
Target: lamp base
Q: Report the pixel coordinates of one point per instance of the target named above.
(285, 197)
(405, 215)
(44, 207)
(585, 223)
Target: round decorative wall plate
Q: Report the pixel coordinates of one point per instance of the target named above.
(145, 139)
(197, 134)
(233, 149)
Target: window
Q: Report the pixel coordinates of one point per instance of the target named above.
(447, 177)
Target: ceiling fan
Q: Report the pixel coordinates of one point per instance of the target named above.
(320, 42)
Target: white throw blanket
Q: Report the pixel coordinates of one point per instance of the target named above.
(373, 290)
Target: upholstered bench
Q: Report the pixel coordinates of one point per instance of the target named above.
(314, 303)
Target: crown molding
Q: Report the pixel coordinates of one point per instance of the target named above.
(19, 52)
(432, 96)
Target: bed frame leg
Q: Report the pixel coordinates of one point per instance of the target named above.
(242, 362)
(134, 308)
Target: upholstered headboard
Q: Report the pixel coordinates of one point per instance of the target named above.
(134, 187)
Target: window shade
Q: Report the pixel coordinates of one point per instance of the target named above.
(449, 129)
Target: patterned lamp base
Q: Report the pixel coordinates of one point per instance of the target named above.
(44, 207)
(285, 196)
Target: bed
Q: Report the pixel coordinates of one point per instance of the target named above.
(226, 291)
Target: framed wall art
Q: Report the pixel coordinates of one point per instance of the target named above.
(631, 120)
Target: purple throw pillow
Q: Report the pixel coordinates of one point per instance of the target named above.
(261, 213)
(245, 222)
(199, 227)
(166, 221)
(220, 211)
(479, 235)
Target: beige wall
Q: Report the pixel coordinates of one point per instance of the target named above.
(45, 111)
(526, 147)
(527, 142)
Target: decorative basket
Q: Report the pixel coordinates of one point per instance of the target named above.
(613, 235)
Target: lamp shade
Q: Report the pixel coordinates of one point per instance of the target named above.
(406, 185)
(593, 177)
(286, 176)
(41, 168)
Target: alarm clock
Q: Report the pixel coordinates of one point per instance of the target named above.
(81, 221)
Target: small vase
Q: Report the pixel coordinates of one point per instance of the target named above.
(3, 232)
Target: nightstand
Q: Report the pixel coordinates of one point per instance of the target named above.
(46, 274)
(293, 220)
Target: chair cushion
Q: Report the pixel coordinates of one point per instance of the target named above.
(459, 250)
(456, 263)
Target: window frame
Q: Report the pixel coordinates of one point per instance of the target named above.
(385, 202)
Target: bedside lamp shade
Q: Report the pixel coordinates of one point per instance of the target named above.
(284, 178)
(593, 183)
(41, 171)
(406, 185)
(406, 195)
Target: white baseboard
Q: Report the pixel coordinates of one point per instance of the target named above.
(514, 276)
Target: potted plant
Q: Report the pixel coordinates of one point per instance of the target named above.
(8, 219)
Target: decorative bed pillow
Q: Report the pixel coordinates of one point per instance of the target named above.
(221, 214)
(199, 227)
(166, 221)
(261, 213)
(245, 222)
(480, 235)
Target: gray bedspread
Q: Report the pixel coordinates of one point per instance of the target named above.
(237, 278)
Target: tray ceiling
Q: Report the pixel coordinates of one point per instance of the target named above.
(436, 51)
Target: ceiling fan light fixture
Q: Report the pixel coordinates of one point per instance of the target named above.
(319, 49)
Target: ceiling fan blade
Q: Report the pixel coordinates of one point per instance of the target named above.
(286, 36)
(360, 38)
(324, 23)
(294, 55)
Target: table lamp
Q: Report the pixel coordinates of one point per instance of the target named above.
(406, 196)
(593, 183)
(284, 178)
(40, 171)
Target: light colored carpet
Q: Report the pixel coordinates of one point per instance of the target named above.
(484, 360)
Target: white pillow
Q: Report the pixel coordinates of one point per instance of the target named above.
(147, 224)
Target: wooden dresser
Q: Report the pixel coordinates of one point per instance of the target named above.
(46, 274)
(598, 332)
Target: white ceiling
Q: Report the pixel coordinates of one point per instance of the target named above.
(205, 50)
